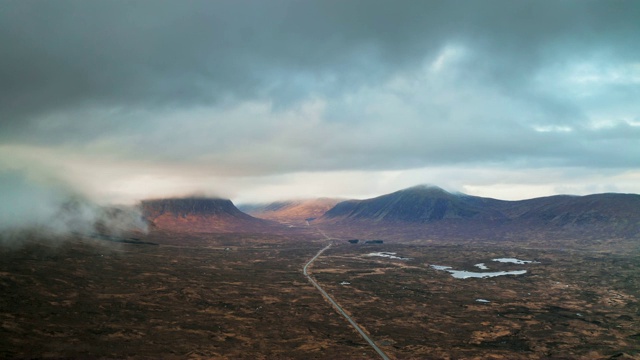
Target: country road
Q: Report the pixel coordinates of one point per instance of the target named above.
(335, 304)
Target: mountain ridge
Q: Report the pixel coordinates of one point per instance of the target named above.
(426, 210)
(607, 214)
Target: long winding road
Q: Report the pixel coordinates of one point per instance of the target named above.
(335, 304)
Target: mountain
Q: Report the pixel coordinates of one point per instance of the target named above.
(294, 212)
(415, 213)
(195, 214)
(433, 211)
(419, 204)
(617, 213)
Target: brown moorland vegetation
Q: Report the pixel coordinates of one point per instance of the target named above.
(196, 286)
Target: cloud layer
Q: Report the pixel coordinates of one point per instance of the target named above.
(224, 96)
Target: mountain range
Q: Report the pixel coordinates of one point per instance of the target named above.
(439, 212)
(420, 211)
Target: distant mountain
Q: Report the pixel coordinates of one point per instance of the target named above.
(439, 212)
(420, 204)
(294, 212)
(618, 213)
(201, 215)
(419, 212)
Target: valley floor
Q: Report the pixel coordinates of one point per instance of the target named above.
(244, 296)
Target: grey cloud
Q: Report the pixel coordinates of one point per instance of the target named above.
(66, 54)
(171, 82)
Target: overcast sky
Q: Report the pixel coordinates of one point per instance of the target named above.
(264, 100)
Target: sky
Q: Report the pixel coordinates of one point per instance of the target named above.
(257, 101)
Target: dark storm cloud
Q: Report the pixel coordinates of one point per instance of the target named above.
(61, 54)
(261, 87)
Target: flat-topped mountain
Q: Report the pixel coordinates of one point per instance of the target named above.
(199, 214)
(295, 212)
(191, 206)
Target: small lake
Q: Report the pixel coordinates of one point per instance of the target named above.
(483, 266)
(514, 261)
(390, 255)
(463, 274)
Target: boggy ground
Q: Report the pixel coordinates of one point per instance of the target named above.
(572, 304)
(192, 296)
(244, 296)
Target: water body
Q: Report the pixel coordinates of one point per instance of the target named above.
(463, 274)
(440, 267)
(482, 266)
(514, 261)
(390, 255)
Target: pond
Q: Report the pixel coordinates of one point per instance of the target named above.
(463, 274)
(390, 255)
(514, 261)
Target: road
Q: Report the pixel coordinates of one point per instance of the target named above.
(335, 304)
